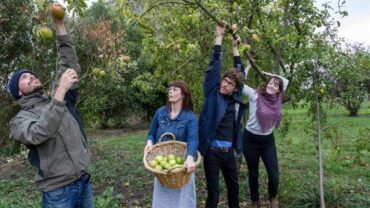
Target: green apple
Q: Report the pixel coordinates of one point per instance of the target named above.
(153, 163)
(96, 71)
(163, 163)
(167, 166)
(102, 73)
(172, 162)
(159, 158)
(46, 33)
(158, 167)
(179, 160)
(171, 157)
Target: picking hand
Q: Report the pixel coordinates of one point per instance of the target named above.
(236, 40)
(220, 30)
(69, 77)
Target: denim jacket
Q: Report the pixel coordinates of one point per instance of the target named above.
(215, 104)
(184, 127)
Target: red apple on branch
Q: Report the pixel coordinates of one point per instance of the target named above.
(57, 11)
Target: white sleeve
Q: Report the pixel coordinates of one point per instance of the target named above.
(248, 91)
(285, 82)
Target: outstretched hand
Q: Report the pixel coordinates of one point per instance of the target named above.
(220, 30)
(58, 14)
(236, 40)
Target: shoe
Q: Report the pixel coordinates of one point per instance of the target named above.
(274, 203)
(255, 204)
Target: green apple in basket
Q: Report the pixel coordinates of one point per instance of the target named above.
(159, 158)
(172, 162)
(167, 166)
(153, 163)
(179, 160)
(171, 157)
(158, 167)
(163, 163)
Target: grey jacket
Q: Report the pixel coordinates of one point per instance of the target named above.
(52, 131)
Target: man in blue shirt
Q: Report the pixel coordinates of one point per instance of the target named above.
(219, 123)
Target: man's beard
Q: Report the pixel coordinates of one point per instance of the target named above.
(38, 88)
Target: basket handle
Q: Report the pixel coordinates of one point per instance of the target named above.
(167, 134)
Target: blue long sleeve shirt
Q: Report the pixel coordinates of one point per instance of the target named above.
(215, 104)
(184, 127)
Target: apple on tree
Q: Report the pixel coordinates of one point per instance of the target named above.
(102, 73)
(45, 32)
(57, 11)
(255, 37)
(125, 59)
(234, 28)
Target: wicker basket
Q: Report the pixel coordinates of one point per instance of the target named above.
(174, 178)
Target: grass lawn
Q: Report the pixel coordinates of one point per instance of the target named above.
(120, 179)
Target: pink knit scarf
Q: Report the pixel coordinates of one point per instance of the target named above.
(268, 110)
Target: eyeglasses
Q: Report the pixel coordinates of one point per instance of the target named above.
(228, 82)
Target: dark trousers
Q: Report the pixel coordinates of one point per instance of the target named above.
(214, 161)
(254, 148)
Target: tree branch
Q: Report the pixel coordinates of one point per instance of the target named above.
(148, 10)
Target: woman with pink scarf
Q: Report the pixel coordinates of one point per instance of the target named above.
(259, 142)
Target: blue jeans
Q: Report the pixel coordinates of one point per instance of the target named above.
(78, 194)
(256, 147)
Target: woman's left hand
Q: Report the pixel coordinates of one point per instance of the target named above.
(189, 164)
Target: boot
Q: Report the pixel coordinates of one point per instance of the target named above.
(274, 203)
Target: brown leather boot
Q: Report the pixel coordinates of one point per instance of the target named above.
(255, 204)
(274, 203)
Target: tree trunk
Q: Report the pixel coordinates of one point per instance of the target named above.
(321, 171)
(318, 132)
(353, 112)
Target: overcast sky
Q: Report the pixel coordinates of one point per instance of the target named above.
(355, 27)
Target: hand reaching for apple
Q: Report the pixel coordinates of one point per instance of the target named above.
(57, 11)
(220, 30)
(236, 40)
(189, 164)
